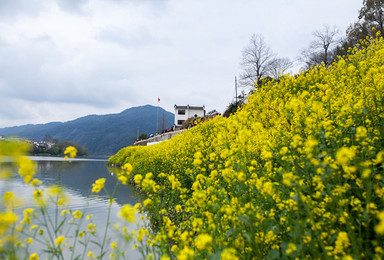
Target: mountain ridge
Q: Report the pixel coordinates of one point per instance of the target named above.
(101, 134)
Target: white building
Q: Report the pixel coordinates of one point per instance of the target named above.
(182, 113)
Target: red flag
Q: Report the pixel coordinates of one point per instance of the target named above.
(158, 99)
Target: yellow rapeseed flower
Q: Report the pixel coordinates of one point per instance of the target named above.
(77, 214)
(7, 219)
(127, 168)
(27, 169)
(59, 240)
(342, 242)
(379, 228)
(361, 133)
(147, 202)
(27, 215)
(91, 254)
(344, 155)
(186, 254)
(34, 256)
(113, 245)
(70, 151)
(203, 241)
(37, 194)
(128, 213)
(165, 257)
(229, 254)
(9, 198)
(123, 179)
(98, 185)
(291, 248)
(138, 178)
(36, 182)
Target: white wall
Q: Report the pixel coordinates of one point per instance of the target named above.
(193, 112)
(188, 113)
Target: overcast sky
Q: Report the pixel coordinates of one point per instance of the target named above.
(63, 59)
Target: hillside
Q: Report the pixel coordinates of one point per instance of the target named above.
(297, 173)
(101, 134)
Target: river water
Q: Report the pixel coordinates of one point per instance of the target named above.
(77, 178)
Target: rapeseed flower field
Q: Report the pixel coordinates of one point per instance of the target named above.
(297, 173)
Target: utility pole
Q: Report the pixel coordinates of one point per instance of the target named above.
(236, 89)
(162, 122)
(157, 115)
(138, 133)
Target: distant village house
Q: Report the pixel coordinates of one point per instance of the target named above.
(182, 113)
(43, 145)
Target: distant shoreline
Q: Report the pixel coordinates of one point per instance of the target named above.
(62, 159)
(8, 159)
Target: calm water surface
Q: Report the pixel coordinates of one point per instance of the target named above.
(77, 178)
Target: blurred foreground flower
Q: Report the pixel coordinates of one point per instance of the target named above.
(128, 213)
(98, 185)
(71, 151)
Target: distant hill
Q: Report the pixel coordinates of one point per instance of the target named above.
(101, 134)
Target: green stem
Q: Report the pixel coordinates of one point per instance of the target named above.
(77, 232)
(47, 222)
(110, 201)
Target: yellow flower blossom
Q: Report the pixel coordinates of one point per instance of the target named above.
(70, 151)
(165, 257)
(186, 254)
(91, 254)
(34, 256)
(379, 228)
(138, 178)
(9, 198)
(77, 214)
(59, 240)
(98, 185)
(229, 254)
(342, 242)
(291, 248)
(27, 169)
(127, 168)
(203, 241)
(37, 194)
(344, 155)
(113, 245)
(27, 215)
(128, 213)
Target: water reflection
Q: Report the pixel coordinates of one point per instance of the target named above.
(80, 175)
(77, 178)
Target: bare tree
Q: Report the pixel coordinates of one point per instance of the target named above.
(258, 62)
(279, 66)
(321, 49)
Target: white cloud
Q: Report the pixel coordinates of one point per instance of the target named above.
(63, 59)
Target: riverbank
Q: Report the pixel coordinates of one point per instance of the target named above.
(61, 159)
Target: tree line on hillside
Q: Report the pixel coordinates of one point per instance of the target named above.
(259, 64)
(54, 147)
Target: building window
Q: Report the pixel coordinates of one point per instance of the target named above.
(180, 122)
(181, 112)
